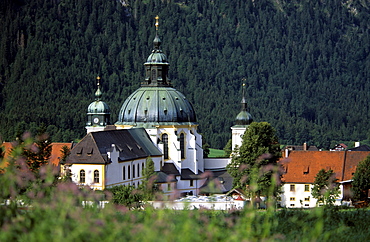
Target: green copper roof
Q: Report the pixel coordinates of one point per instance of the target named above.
(156, 105)
(98, 106)
(157, 55)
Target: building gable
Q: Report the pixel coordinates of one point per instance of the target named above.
(303, 166)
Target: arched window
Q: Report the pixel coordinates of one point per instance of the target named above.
(165, 145)
(142, 168)
(124, 173)
(133, 171)
(138, 170)
(182, 145)
(82, 176)
(128, 172)
(96, 176)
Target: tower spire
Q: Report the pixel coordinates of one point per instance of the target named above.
(157, 41)
(244, 102)
(98, 92)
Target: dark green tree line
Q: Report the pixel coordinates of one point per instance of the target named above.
(306, 63)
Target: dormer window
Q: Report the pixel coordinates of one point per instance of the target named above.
(306, 170)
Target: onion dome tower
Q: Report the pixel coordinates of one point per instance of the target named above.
(165, 113)
(98, 113)
(156, 101)
(242, 121)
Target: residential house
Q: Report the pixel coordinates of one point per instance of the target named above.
(301, 168)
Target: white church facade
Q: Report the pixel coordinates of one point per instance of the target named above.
(170, 124)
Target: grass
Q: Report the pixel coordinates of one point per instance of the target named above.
(214, 153)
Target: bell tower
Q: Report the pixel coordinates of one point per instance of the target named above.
(242, 121)
(98, 112)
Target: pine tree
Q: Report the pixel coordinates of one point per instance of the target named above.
(149, 177)
(228, 148)
(38, 154)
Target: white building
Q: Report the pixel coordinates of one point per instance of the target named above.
(170, 123)
(302, 166)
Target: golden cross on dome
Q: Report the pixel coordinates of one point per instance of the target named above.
(156, 22)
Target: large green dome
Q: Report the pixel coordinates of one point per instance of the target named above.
(156, 105)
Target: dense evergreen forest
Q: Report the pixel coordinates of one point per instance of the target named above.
(306, 63)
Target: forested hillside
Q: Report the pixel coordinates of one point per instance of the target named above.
(306, 63)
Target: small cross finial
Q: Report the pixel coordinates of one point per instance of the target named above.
(156, 22)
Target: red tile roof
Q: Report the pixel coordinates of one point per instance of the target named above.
(302, 166)
(55, 152)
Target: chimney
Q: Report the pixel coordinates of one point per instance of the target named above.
(304, 146)
(286, 152)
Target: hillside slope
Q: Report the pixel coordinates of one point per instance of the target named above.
(306, 63)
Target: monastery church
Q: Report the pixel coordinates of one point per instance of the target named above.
(155, 121)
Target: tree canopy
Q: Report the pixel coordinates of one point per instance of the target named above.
(324, 189)
(361, 180)
(256, 159)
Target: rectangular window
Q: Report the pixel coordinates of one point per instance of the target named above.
(191, 183)
(292, 188)
(306, 188)
(128, 172)
(292, 199)
(168, 187)
(123, 173)
(133, 171)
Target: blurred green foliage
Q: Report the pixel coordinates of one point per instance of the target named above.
(62, 211)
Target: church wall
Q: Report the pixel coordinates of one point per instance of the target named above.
(193, 151)
(90, 129)
(188, 186)
(216, 163)
(127, 172)
(237, 136)
(89, 175)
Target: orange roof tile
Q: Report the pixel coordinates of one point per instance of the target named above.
(352, 160)
(302, 166)
(55, 152)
